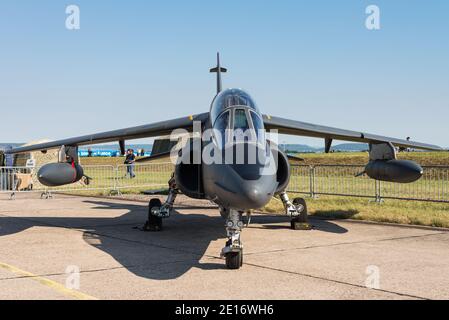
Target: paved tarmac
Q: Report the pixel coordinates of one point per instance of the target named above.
(43, 243)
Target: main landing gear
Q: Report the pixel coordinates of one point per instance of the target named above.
(233, 251)
(158, 211)
(297, 210)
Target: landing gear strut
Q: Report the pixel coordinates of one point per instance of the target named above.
(297, 210)
(157, 211)
(233, 251)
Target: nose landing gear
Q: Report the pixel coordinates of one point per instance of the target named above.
(233, 251)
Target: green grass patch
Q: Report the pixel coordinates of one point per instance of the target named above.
(361, 158)
(391, 211)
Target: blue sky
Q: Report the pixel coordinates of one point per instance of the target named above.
(138, 62)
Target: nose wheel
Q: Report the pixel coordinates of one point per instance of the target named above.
(234, 260)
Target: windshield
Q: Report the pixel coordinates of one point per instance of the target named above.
(239, 125)
(220, 126)
(240, 120)
(258, 127)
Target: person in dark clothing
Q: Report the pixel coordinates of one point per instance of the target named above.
(8, 172)
(129, 161)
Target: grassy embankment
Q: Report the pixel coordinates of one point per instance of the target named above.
(394, 211)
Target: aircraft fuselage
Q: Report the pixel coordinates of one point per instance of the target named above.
(238, 179)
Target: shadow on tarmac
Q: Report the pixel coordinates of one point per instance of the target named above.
(154, 255)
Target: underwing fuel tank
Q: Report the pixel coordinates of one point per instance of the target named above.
(59, 174)
(400, 171)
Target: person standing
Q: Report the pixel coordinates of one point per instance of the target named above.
(130, 161)
(9, 170)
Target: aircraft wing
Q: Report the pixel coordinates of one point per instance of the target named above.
(144, 131)
(292, 127)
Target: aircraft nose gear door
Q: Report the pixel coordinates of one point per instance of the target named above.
(233, 251)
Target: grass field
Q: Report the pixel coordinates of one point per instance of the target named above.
(361, 158)
(327, 180)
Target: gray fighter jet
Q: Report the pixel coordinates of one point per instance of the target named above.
(235, 181)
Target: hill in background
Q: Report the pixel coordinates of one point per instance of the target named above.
(291, 148)
(343, 147)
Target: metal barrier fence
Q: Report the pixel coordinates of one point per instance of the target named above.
(341, 180)
(338, 180)
(24, 179)
(102, 177)
(145, 175)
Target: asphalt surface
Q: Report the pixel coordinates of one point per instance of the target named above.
(42, 242)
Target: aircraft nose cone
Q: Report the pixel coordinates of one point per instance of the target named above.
(244, 189)
(257, 195)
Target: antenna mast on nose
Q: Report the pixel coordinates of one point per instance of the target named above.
(218, 69)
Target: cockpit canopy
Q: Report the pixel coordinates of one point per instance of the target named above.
(234, 109)
(231, 98)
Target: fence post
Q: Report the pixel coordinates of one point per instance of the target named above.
(114, 180)
(378, 194)
(312, 181)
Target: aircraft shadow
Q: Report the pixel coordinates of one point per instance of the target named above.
(162, 255)
(270, 222)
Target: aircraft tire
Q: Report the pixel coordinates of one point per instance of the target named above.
(154, 223)
(234, 260)
(300, 222)
(303, 216)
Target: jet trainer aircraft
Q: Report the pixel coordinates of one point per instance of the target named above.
(236, 187)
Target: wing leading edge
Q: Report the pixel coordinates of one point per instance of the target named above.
(284, 126)
(292, 127)
(144, 131)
